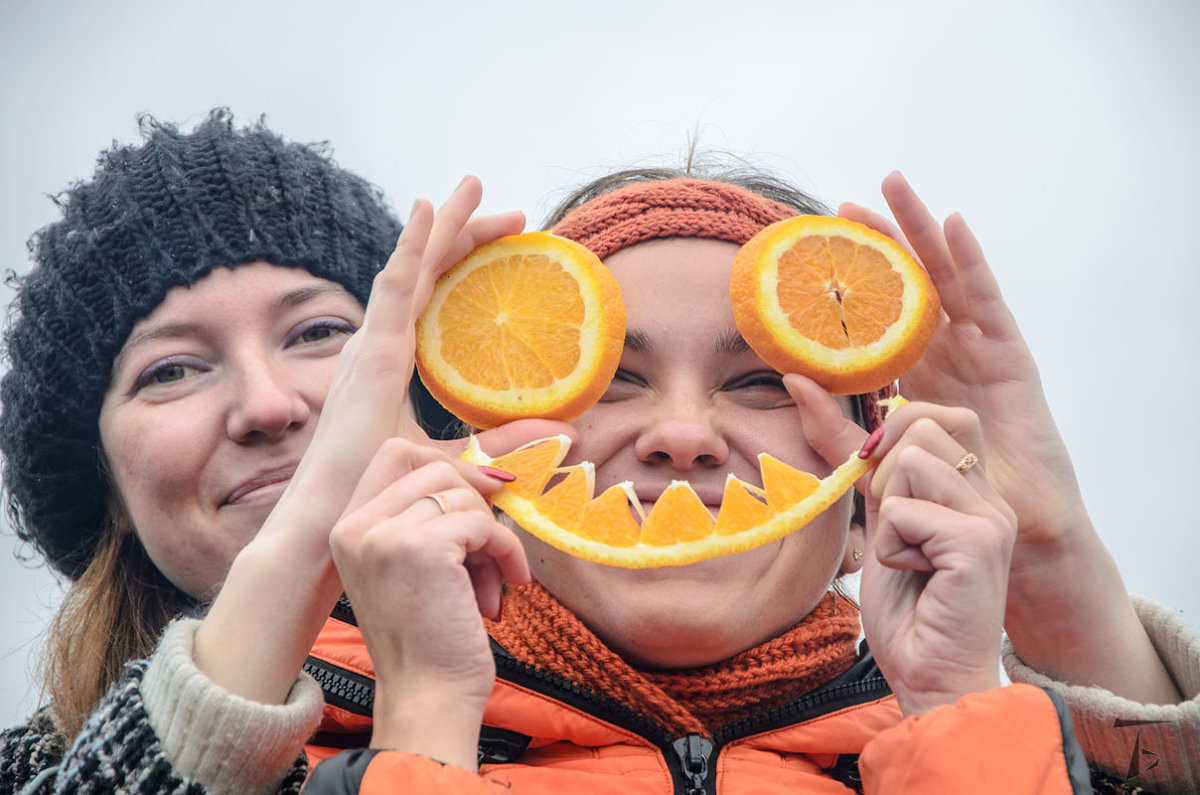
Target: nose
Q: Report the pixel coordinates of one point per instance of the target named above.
(268, 401)
(684, 431)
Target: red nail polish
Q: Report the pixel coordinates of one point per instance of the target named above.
(498, 474)
(871, 443)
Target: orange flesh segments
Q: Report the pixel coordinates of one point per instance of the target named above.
(529, 325)
(833, 300)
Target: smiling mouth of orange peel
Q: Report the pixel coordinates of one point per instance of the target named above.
(613, 529)
(825, 297)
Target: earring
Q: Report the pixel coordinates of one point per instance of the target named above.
(857, 554)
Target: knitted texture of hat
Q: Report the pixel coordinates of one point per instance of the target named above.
(683, 207)
(154, 217)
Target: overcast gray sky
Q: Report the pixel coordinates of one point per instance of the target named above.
(1064, 132)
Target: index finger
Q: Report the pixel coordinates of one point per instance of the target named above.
(455, 233)
(390, 305)
(929, 241)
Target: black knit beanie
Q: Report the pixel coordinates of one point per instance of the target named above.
(154, 217)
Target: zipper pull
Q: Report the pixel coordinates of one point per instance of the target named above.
(693, 752)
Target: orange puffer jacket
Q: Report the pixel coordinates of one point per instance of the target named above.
(542, 734)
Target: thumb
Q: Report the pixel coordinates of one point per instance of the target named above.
(829, 432)
(508, 437)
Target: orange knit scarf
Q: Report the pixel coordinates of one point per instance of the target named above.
(539, 631)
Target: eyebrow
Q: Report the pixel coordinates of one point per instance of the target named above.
(291, 298)
(730, 343)
(637, 341)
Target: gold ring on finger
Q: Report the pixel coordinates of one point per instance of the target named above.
(966, 462)
(440, 499)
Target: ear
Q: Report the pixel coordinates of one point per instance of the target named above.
(856, 542)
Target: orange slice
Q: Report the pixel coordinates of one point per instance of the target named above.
(833, 300)
(529, 325)
(678, 529)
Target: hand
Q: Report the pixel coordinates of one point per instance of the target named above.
(419, 571)
(938, 546)
(368, 401)
(282, 585)
(978, 359)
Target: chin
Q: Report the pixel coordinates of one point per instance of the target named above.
(674, 639)
(676, 617)
(668, 617)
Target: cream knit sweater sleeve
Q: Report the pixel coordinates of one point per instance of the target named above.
(220, 740)
(1150, 745)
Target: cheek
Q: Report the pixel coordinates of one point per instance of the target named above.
(780, 434)
(603, 430)
(156, 463)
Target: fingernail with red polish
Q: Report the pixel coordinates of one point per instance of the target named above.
(871, 443)
(498, 474)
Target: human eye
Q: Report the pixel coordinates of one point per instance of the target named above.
(760, 389)
(319, 330)
(623, 386)
(758, 380)
(166, 372)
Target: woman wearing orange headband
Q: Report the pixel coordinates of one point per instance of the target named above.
(743, 674)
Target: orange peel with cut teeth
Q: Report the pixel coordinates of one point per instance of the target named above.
(678, 529)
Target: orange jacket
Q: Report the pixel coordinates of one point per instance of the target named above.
(544, 735)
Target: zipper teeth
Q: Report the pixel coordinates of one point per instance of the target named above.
(619, 714)
(608, 709)
(341, 685)
(342, 611)
(786, 713)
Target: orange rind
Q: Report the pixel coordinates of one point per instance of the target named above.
(833, 300)
(529, 325)
(556, 504)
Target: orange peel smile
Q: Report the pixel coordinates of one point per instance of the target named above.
(611, 528)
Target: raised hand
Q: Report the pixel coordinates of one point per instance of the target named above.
(938, 545)
(283, 584)
(421, 557)
(979, 360)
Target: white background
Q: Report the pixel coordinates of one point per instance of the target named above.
(1065, 132)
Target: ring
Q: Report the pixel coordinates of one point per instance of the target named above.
(969, 460)
(440, 499)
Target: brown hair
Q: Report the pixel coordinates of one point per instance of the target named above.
(707, 166)
(113, 613)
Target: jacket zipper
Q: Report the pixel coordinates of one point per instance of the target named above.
(694, 753)
(691, 757)
(342, 687)
(806, 707)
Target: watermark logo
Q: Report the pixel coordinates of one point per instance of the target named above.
(1143, 759)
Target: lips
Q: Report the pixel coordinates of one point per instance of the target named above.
(711, 496)
(249, 489)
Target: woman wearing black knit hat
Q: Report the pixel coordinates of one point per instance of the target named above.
(169, 359)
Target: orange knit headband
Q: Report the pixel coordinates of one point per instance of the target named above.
(669, 208)
(682, 207)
